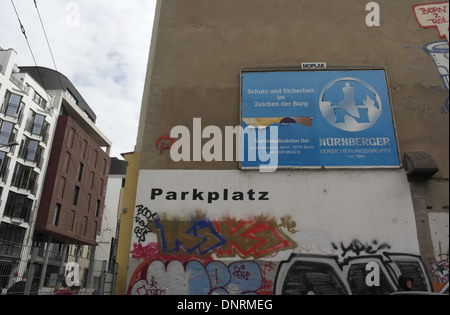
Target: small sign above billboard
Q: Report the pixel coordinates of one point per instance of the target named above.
(314, 65)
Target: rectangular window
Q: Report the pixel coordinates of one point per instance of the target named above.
(30, 150)
(13, 104)
(24, 177)
(71, 137)
(95, 158)
(38, 124)
(4, 164)
(6, 132)
(73, 220)
(85, 225)
(104, 167)
(67, 162)
(84, 149)
(56, 215)
(11, 238)
(80, 172)
(76, 195)
(71, 97)
(89, 202)
(97, 208)
(18, 206)
(93, 180)
(39, 100)
(62, 188)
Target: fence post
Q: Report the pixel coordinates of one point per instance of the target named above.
(30, 273)
(101, 288)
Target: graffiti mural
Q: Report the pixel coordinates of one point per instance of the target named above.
(161, 274)
(439, 270)
(301, 274)
(197, 256)
(305, 274)
(435, 15)
(256, 238)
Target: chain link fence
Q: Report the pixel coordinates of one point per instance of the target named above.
(52, 268)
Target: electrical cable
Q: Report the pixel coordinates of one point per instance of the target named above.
(60, 83)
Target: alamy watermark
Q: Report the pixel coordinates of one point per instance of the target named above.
(262, 144)
(73, 14)
(373, 277)
(72, 274)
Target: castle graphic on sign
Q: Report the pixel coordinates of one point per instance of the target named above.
(359, 110)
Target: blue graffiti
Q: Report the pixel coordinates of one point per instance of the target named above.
(201, 236)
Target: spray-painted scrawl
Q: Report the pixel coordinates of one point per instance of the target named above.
(435, 15)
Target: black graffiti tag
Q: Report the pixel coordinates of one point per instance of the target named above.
(143, 219)
(357, 247)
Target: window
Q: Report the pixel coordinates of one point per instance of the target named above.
(73, 219)
(85, 225)
(80, 172)
(97, 208)
(24, 177)
(75, 195)
(6, 132)
(71, 97)
(12, 105)
(104, 166)
(92, 180)
(62, 187)
(56, 215)
(4, 164)
(67, 162)
(31, 151)
(36, 124)
(89, 202)
(18, 206)
(39, 100)
(10, 235)
(71, 137)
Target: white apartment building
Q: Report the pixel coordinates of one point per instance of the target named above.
(27, 123)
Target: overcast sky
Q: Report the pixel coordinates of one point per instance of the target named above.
(102, 46)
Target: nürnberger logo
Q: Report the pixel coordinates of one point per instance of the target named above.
(350, 104)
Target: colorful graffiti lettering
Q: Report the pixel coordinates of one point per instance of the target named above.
(252, 238)
(301, 274)
(192, 278)
(192, 257)
(227, 238)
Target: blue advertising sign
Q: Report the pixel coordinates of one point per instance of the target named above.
(331, 118)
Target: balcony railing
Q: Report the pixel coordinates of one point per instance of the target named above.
(19, 84)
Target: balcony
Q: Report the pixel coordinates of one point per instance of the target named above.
(18, 83)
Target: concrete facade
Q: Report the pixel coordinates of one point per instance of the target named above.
(199, 48)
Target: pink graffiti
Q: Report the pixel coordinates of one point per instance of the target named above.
(151, 251)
